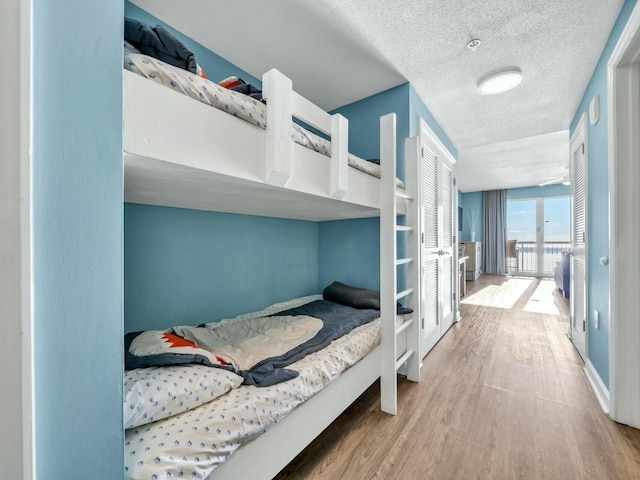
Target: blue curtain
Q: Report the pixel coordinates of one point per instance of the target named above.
(494, 243)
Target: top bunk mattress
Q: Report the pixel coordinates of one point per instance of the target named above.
(234, 103)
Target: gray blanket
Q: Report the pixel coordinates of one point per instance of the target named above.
(338, 320)
(259, 349)
(244, 344)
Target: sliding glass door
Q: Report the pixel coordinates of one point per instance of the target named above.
(557, 231)
(537, 232)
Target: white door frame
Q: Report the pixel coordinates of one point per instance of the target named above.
(429, 138)
(623, 86)
(16, 360)
(540, 237)
(579, 337)
(449, 259)
(540, 233)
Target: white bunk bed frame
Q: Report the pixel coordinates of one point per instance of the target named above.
(400, 344)
(183, 153)
(172, 159)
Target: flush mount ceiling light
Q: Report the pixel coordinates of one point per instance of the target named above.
(500, 82)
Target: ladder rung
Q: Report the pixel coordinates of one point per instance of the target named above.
(404, 293)
(402, 261)
(402, 360)
(404, 326)
(403, 194)
(404, 228)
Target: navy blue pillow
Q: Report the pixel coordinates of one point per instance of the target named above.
(157, 42)
(357, 297)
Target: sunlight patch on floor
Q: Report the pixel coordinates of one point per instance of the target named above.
(499, 296)
(542, 299)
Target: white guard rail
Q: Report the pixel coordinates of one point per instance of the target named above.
(283, 104)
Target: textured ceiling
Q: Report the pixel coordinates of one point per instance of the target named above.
(323, 61)
(339, 51)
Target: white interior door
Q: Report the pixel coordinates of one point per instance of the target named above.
(578, 327)
(439, 270)
(447, 242)
(430, 252)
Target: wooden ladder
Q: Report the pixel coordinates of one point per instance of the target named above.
(393, 358)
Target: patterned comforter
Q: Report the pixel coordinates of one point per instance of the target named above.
(192, 444)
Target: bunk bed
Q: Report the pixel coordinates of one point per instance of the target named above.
(262, 425)
(183, 153)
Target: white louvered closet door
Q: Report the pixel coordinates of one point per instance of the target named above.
(430, 252)
(578, 290)
(438, 272)
(447, 271)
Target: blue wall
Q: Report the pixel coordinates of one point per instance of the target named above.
(359, 263)
(598, 201)
(418, 110)
(349, 252)
(77, 239)
(186, 267)
(467, 202)
(364, 123)
(190, 267)
(216, 67)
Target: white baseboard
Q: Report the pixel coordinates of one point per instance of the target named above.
(598, 386)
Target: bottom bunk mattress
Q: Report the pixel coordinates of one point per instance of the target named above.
(194, 443)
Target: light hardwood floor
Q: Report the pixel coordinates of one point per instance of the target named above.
(502, 396)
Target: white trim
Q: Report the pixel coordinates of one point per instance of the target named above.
(26, 238)
(278, 146)
(425, 129)
(26, 234)
(429, 138)
(388, 269)
(16, 437)
(598, 386)
(626, 38)
(580, 134)
(539, 236)
(623, 84)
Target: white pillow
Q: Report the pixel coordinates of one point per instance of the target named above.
(155, 393)
(128, 48)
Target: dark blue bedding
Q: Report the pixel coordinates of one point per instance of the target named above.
(338, 321)
(157, 42)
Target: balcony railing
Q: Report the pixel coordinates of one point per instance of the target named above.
(528, 257)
